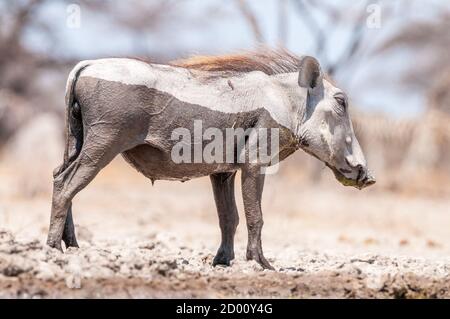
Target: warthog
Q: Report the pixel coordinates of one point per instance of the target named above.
(131, 107)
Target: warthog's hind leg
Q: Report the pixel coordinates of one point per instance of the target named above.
(69, 238)
(223, 187)
(92, 158)
(252, 188)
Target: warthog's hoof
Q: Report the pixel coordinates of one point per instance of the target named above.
(223, 257)
(259, 258)
(264, 263)
(54, 244)
(70, 241)
(73, 244)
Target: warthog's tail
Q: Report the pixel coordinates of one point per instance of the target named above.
(74, 124)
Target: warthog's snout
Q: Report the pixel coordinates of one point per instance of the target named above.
(363, 179)
(367, 180)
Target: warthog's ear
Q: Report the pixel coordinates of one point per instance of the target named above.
(310, 74)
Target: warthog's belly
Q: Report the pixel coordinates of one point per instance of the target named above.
(158, 165)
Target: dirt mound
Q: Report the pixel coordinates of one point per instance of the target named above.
(160, 267)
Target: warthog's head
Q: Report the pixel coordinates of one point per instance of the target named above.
(327, 131)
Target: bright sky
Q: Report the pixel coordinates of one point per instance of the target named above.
(370, 84)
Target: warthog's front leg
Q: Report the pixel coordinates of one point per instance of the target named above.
(252, 188)
(223, 187)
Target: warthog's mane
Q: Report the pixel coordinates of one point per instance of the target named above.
(269, 61)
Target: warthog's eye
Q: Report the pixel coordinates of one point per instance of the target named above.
(341, 103)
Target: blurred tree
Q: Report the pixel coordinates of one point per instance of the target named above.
(16, 61)
(351, 18)
(24, 71)
(321, 19)
(429, 42)
(251, 20)
(18, 64)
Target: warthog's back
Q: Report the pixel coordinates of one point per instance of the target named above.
(227, 94)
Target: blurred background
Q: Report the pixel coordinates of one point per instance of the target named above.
(391, 57)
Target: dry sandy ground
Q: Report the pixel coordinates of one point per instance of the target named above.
(143, 241)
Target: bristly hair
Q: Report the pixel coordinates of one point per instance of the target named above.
(269, 61)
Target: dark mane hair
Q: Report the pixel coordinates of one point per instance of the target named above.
(266, 60)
